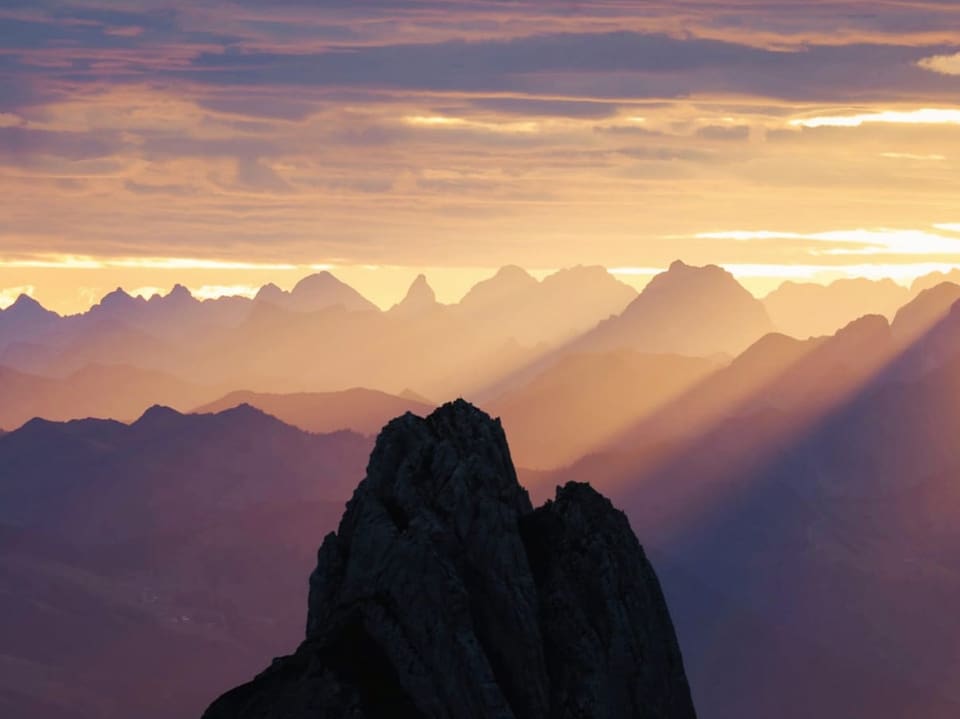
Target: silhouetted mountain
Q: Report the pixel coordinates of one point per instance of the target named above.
(443, 593)
(807, 516)
(420, 298)
(316, 292)
(455, 349)
(811, 310)
(939, 344)
(693, 311)
(776, 373)
(583, 401)
(929, 307)
(25, 319)
(273, 342)
(104, 391)
(144, 564)
(360, 410)
(933, 279)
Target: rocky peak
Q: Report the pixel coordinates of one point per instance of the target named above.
(269, 293)
(444, 594)
(506, 286)
(119, 299)
(419, 298)
(27, 307)
(179, 295)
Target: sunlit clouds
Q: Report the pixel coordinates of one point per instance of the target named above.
(855, 242)
(246, 143)
(944, 64)
(925, 116)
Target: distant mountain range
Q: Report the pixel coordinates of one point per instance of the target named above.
(320, 336)
(798, 501)
(359, 410)
(164, 559)
(802, 502)
(811, 310)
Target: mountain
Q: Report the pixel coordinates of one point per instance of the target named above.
(775, 374)
(359, 410)
(802, 503)
(514, 305)
(811, 310)
(317, 292)
(444, 593)
(933, 279)
(135, 563)
(928, 308)
(274, 342)
(693, 311)
(25, 319)
(105, 391)
(583, 401)
(420, 299)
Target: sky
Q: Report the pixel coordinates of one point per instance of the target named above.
(227, 144)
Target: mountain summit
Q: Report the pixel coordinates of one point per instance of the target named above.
(445, 594)
(687, 310)
(419, 298)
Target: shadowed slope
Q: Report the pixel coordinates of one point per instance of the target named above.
(106, 391)
(360, 410)
(810, 519)
(584, 400)
(443, 594)
(143, 565)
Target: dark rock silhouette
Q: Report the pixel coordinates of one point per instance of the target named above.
(444, 594)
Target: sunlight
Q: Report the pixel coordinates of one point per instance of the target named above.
(872, 241)
(926, 116)
(440, 121)
(212, 292)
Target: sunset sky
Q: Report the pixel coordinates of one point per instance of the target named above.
(228, 144)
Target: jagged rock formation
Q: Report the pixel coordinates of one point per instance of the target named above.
(420, 298)
(444, 594)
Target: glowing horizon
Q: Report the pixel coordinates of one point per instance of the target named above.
(234, 144)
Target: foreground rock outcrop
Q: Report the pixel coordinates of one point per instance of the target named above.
(445, 594)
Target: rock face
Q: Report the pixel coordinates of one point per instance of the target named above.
(444, 594)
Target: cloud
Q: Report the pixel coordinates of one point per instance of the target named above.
(856, 242)
(724, 132)
(943, 64)
(925, 116)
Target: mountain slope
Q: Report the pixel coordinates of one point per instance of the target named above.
(135, 571)
(359, 410)
(811, 310)
(105, 391)
(444, 594)
(811, 519)
(583, 401)
(693, 311)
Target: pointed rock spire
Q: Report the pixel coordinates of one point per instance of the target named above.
(444, 594)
